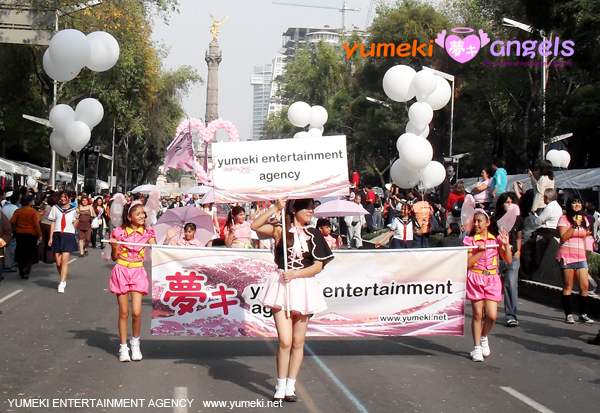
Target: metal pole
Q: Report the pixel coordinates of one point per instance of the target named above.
(53, 154)
(112, 162)
(452, 120)
(545, 61)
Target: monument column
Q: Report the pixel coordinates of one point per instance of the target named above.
(213, 58)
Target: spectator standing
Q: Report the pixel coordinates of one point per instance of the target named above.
(5, 237)
(354, 179)
(500, 179)
(355, 225)
(457, 195)
(26, 223)
(572, 258)
(98, 233)
(422, 211)
(9, 209)
(510, 272)
(47, 255)
(370, 207)
(482, 191)
(545, 181)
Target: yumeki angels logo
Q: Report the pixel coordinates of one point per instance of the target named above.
(462, 50)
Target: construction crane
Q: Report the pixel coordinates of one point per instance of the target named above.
(343, 9)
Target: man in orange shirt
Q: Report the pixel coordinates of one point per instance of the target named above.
(423, 211)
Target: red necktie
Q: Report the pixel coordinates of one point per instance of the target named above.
(63, 223)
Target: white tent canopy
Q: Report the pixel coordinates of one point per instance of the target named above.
(14, 167)
(565, 179)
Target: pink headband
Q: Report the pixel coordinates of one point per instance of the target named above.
(134, 203)
(481, 211)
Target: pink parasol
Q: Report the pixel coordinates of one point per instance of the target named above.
(208, 198)
(467, 213)
(507, 222)
(179, 217)
(339, 208)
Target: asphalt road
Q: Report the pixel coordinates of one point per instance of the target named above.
(57, 348)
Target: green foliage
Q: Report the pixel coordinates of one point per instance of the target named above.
(138, 96)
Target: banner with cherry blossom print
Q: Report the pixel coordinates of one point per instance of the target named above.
(270, 169)
(213, 292)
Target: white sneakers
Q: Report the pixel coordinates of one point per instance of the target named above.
(477, 354)
(136, 354)
(124, 353)
(61, 287)
(485, 346)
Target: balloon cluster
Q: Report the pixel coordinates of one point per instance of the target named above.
(207, 133)
(559, 159)
(70, 50)
(73, 128)
(402, 83)
(206, 178)
(301, 114)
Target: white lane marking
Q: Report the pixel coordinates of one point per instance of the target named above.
(526, 400)
(332, 376)
(10, 295)
(180, 393)
(74, 259)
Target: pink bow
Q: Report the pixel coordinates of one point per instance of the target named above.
(300, 245)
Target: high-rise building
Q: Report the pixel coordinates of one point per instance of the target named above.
(261, 82)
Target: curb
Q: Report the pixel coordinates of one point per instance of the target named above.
(551, 295)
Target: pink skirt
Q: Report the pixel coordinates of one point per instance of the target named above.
(124, 280)
(484, 287)
(305, 295)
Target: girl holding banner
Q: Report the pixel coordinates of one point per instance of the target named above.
(305, 257)
(484, 287)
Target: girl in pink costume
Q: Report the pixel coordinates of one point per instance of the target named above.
(307, 254)
(484, 287)
(237, 230)
(129, 277)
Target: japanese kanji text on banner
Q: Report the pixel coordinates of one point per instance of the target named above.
(213, 292)
(270, 169)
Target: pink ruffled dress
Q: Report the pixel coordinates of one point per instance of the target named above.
(306, 297)
(129, 273)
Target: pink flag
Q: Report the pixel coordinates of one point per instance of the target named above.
(180, 154)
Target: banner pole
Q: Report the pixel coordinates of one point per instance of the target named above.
(285, 262)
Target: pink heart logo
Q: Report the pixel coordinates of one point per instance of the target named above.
(462, 50)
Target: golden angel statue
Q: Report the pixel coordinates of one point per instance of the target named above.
(214, 29)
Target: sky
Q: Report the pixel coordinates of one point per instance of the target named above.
(250, 36)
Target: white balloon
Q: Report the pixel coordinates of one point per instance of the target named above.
(441, 95)
(321, 128)
(396, 83)
(554, 157)
(301, 135)
(410, 128)
(89, 111)
(31, 183)
(420, 114)
(70, 49)
(318, 117)
(55, 72)
(299, 114)
(565, 159)
(403, 138)
(59, 144)
(78, 135)
(416, 152)
(424, 83)
(402, 176)
(104, 51)
(61, 116)
(433, 174)
(314, 133)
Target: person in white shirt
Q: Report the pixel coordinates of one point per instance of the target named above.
(546, 228)
(546, 181)
(355, 225)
